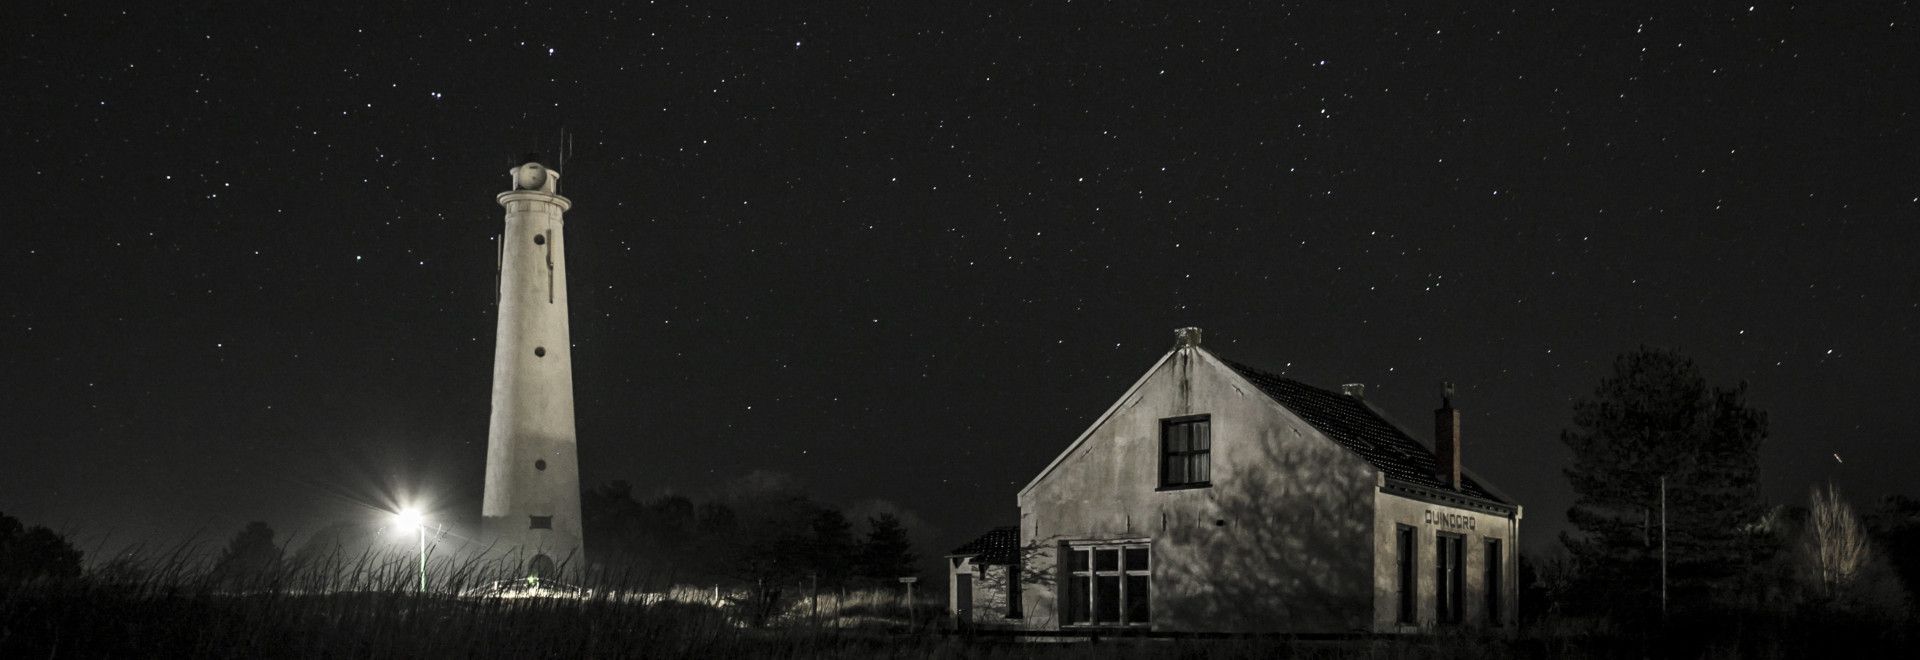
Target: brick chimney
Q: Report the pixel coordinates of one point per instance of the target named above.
(1355, 390)
(1446, 437)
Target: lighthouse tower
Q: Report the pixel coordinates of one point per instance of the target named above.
(531, 513)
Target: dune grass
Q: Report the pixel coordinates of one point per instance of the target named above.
(179, 603)
(171, 605)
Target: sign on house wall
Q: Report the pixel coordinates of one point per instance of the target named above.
(1452, 521)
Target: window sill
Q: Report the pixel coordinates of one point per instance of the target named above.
(1203, 484)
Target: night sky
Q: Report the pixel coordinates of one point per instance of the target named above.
(907, 254)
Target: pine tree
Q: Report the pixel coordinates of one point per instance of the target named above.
(831, 549)
(1655, 417)
(887, 553)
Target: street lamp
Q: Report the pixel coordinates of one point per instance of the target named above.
(410, 517)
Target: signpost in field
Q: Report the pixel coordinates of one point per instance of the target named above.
(909, 582)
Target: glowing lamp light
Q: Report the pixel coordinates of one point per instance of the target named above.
(411, 518)
(408, 518)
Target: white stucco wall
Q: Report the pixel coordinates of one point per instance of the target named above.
(1428, 519)
(989, 590)
(1279, 543)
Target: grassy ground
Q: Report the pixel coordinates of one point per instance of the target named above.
(93, 620)
(167, 614)
(75, 620)
(96, 622)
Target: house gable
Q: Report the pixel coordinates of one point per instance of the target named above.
(1267, 544)
(1181, 367)
(1350, 422)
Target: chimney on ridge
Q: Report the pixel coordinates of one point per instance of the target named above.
(1188, 337)
(1355, 390)
(1446, 437)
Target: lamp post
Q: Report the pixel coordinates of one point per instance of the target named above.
(411, 518)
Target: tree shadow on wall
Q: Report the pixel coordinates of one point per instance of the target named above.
(1288, 547)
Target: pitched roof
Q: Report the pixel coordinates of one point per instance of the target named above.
(999, 547)
(1356, 426)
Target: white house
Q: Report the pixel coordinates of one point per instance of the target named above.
(1215, 497)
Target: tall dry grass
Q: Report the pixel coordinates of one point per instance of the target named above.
(173, 605)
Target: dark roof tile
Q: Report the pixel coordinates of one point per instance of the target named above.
(1355, 425)
(1000, 547)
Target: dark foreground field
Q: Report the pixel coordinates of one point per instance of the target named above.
(82, 620)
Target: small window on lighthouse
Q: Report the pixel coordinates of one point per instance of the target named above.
(539, 239)
(540, 464)
(539, 351)
(540, 522)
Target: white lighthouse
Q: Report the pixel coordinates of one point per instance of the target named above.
(531, 514)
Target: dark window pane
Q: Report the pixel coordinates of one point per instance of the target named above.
(1106, 560)
(1405, 585)
(1077, 560)
(1457, 571)
(1184, 448)
(1139, 593)
(1106, 599)
(1448, 565)
(1136, 559)
(1440, 578)
(1076, 605)
(1493, 585)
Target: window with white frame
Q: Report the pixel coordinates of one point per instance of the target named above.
(1107, 585)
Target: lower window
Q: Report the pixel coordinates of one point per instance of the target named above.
(1108, 585)
(1449, 576)
(1405, 586)
(1491, 582)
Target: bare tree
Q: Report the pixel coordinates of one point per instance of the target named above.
(1835, 543)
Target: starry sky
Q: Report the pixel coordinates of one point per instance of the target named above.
(907, 253)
